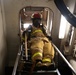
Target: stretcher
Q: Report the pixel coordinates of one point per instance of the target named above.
(25, 65)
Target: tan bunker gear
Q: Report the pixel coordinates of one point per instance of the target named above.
(41, 47)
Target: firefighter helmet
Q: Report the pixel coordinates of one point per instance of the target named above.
(36, 15)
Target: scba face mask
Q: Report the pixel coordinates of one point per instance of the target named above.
(36, 22)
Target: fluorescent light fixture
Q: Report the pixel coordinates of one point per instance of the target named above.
(62, 27)
(26, 25)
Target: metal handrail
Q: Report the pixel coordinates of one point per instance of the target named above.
(16, 62)
(65, 59)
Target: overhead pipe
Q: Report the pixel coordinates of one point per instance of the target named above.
(65, 12)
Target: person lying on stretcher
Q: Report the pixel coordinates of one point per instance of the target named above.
(41, 47)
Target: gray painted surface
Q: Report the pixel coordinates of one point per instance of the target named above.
(2, 42)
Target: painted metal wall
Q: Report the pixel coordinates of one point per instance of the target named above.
(3, 47)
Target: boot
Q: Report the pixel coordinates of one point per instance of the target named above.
(46, 64)
(38, 63)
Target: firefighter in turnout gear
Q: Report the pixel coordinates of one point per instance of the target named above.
(41, 48)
